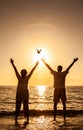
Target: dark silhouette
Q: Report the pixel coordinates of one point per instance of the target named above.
(59, 85)
(22, 94)
(38, 51)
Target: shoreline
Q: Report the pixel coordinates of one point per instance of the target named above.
(42, 122)
(69, 113)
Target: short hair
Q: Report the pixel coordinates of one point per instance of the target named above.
(23, 72)
(59, 68)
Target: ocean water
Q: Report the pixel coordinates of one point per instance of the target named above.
(41, 98)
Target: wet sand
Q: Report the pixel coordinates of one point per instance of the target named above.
(42, 123)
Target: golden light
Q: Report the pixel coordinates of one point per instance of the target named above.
(41, 119)
(41, 90)
(41, 93)
(39, 56)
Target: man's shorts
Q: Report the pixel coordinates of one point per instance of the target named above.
(59, 94)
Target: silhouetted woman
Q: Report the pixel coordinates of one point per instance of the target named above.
(22, 94)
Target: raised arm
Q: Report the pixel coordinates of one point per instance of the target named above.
(16, 72)
(47, 65)
(74, 60)
(33, 69)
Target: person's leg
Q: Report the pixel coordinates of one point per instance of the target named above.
(63, 99)
(26, 110)
(55, 109)
(56, 100)
(17, 111)
(64, 110)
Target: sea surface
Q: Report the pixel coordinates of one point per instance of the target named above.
(41, 98)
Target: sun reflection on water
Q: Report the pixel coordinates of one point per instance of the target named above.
(41, 119)
(41, 90)
(41, 99)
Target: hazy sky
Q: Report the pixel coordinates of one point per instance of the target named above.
(56, 26)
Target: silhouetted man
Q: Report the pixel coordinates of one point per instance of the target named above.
(59, 85)
(22, 94)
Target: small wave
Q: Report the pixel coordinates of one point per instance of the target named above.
(69, 113)
(42, 102)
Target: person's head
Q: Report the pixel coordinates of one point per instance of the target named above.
(59, 68)
(23, 72)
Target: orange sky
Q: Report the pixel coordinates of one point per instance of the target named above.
(55, 26)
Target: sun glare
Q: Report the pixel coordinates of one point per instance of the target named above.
(41, 90)
(39, 56)
(41, 93)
